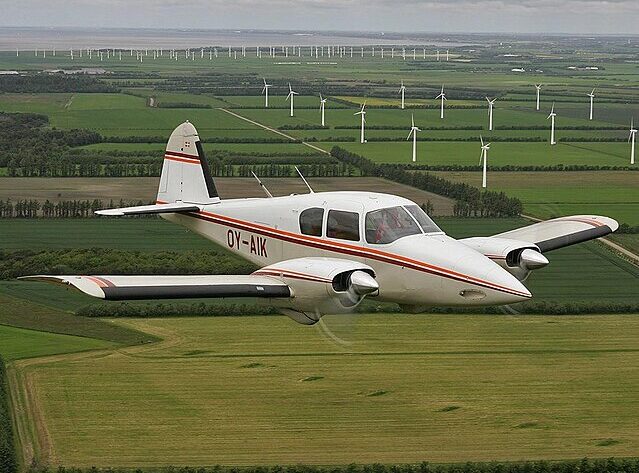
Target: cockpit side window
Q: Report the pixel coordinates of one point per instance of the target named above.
(387, 225)
(343, 225)
(423, 219)
(311, 221)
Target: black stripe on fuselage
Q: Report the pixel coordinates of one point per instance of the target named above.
(574, 238)
(185, 292)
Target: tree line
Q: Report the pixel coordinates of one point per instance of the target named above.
(33, 208)
(607, 465)
(54, 83)
(471, 201)
(8, 463)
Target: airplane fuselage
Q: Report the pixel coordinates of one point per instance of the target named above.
(417, 270)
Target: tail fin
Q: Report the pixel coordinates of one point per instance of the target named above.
(186, 176)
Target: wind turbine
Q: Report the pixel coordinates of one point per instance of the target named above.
(538, 87)
(413, 131)
(290, 96)
(490, 113)
(631, 140)
(402, 90)
(483, 158)
(322, 105)
(592, 99)
(362, 112)
(552, 116)
(442, 96)
(265, 92)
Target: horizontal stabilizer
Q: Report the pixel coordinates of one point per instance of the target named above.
(564, 231)
(150, 209)
(171, 287)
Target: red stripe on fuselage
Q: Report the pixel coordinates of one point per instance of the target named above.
(391, 258)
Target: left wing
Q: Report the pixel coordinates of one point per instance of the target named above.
(171, 287)
(564, 231)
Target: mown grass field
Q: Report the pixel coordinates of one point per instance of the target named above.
(552, 194)
(263, 390)
(18, 343)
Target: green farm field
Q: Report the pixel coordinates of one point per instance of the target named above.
(552, 194)
(17, 343)
(500, 154)
(243, 391)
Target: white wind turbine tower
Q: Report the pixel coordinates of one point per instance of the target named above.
(265, 92)
(402, 90)
(322, 106)
(442, 96)
(552, 116)
(490, 113)
(413, 131)
(362, 112)
(290, 96)
(631, 140)
(483, 159)
(538, 87)
(592, 99)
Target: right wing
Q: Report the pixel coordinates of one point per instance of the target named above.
(564, 231)
(171, 287)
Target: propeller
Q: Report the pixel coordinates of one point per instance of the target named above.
(552, 111)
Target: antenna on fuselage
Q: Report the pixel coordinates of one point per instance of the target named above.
(305, 182)
(266, 191)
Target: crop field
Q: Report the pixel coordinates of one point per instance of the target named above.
(264, 390)
(552, 194)
(145, 188)
(500, 154)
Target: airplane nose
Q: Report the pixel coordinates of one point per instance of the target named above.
(505, 288)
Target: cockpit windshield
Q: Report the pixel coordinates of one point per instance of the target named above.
(423, 219)
(387, 225)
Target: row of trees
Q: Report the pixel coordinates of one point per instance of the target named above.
(608, 465)
(195, 309)
(32, 208)
(8, 462)
(471, 201)
(53, 83)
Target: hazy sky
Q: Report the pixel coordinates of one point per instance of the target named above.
(531, 16)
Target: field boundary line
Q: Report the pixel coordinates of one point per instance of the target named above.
(273, 130)
(634, 259)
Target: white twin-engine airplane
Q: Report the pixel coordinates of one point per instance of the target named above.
(323, 253)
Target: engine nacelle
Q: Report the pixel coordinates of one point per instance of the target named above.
(516, 257)
(321, 286)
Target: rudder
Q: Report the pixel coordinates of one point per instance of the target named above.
(186, 176)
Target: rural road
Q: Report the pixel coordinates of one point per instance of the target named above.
(273, 130)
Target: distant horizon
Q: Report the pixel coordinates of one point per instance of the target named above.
(381, 33)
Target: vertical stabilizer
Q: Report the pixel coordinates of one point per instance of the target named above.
(186, 176)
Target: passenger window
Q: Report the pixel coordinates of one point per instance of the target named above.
(343, 225)
(311, 221)
(387, 225)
